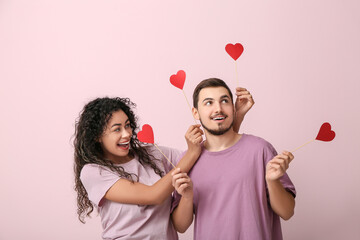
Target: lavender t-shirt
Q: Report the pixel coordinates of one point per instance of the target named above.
(230, 193)
(129, 221)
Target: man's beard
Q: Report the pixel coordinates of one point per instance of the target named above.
(219, 131)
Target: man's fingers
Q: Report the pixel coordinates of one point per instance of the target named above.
(239, 89)
(181, 181)
(289, 154)
(285, 158)
(183, 187)
(192, 127)
(196, 130)
(177, 176)
(175, 171)
(242, 93)
(283, 161)
(246, 97)
(276, 166)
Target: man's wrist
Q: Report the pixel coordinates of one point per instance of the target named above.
(272, 181)
(188, 198)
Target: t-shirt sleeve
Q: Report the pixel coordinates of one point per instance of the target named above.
(97, 180)
(270, 153)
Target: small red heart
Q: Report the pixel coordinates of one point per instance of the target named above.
(178, 79)
(325, 133)
(234, 51)
(146, 135)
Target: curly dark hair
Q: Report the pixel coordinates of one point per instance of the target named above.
(89, 128)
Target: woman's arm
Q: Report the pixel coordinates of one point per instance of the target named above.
(124, 191)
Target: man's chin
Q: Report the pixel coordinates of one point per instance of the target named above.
(217, 132)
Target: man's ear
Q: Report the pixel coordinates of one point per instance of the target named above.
(195, 113)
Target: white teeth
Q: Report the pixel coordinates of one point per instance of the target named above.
(219, 118)
(125, 143)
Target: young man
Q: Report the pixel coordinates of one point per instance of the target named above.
(239, 184)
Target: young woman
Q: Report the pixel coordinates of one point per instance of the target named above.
(129, 184)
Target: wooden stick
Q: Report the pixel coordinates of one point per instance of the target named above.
(164, 155)
(189, 106)
(237, 74)
(302, 146)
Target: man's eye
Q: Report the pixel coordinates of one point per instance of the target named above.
(225, 101)
(208, 103)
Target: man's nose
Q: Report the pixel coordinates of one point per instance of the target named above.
(217, 107)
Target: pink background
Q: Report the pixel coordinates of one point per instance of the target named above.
(301, 63)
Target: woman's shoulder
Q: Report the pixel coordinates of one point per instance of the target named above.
(91, 169)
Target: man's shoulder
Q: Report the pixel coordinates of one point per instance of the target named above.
(255, 140)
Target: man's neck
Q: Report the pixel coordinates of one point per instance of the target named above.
(215, 143)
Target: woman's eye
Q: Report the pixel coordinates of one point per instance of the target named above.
(117, 129)
(127, 126)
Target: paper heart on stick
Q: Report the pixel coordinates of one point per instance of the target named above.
(234, 51)
(146, 135)
(325, 133)
(178, 79)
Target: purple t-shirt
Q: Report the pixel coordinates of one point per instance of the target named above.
(230, 193)
(129, 221)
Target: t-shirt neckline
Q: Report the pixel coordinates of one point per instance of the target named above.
(225, 150)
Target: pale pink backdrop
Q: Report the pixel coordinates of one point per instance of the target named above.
(301, 63)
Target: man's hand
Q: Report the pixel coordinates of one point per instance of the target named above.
(194, 138)
(182, 184)
(244, 101)
(277, 167)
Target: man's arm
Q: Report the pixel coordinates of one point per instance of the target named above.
(281, 201)
(182, 216)
(243, 103)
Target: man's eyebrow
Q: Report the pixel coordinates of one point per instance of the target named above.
(206, 99)
(119, 124)
(224, 96)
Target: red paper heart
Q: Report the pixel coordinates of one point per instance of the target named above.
(146, 135)
(178, 79)
(325, 133)
(234, 51)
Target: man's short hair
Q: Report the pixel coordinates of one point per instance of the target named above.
(210, 82)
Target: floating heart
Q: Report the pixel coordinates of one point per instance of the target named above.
(178, 79)
(146, 135)
(325, 133)
(234, 51)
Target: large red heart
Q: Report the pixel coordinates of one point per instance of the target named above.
(178, 79)
(234, 51)
(325, 133)
(146, 135)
